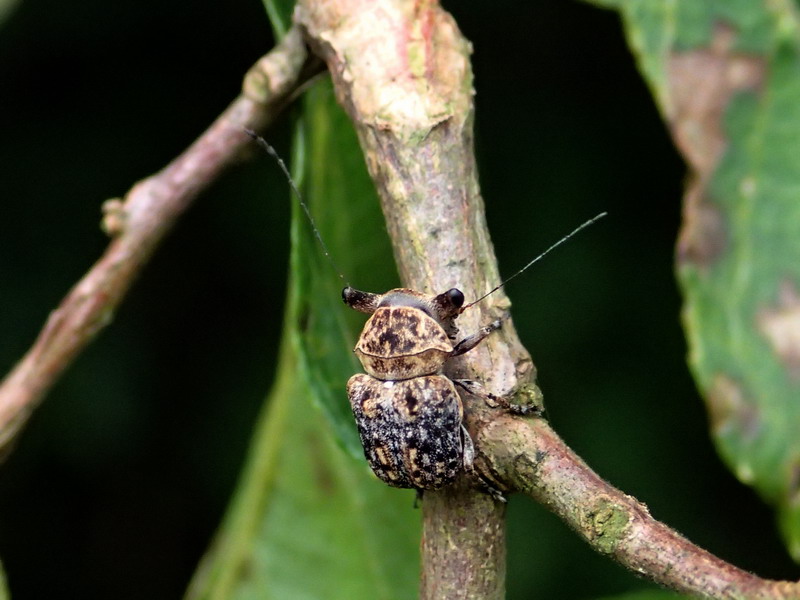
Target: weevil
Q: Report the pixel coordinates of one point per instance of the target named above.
(409, 415)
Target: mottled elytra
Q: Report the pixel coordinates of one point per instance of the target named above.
(411, 429)
(409, 415)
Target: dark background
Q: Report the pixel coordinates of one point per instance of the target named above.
(123, 474)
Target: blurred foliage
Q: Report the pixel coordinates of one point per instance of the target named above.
(125, 471)
(740, 263)
(6, 8)
(3, 587)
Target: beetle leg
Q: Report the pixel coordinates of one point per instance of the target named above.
(476, 389)
(468, 449)
(469, 342)
(492, 491)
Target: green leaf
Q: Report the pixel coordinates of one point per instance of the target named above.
(658, 28)
(738, 125)
(4, 595)
(7, 8)
(280, 15)
(309, 520)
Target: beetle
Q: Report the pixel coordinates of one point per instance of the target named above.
(409, 415)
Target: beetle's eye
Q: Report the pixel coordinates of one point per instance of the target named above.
(456, 297)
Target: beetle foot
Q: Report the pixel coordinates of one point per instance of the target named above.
(496, 494)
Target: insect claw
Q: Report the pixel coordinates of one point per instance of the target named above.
(495, 493)
(524, 410)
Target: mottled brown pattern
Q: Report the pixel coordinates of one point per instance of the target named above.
(401, 331)
(410, 430)
(701, 84)
(402, 342)
(780, 325)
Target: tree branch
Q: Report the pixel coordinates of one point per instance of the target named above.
(528, 456)
(401, 70)
(138, 224)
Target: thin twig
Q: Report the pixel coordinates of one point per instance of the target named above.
(138, 224)
(527, 455)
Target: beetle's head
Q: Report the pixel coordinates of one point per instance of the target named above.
(442, 307)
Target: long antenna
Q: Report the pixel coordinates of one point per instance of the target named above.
(274, 154)
(538, 258)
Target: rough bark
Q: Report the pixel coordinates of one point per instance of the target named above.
(402, 72)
